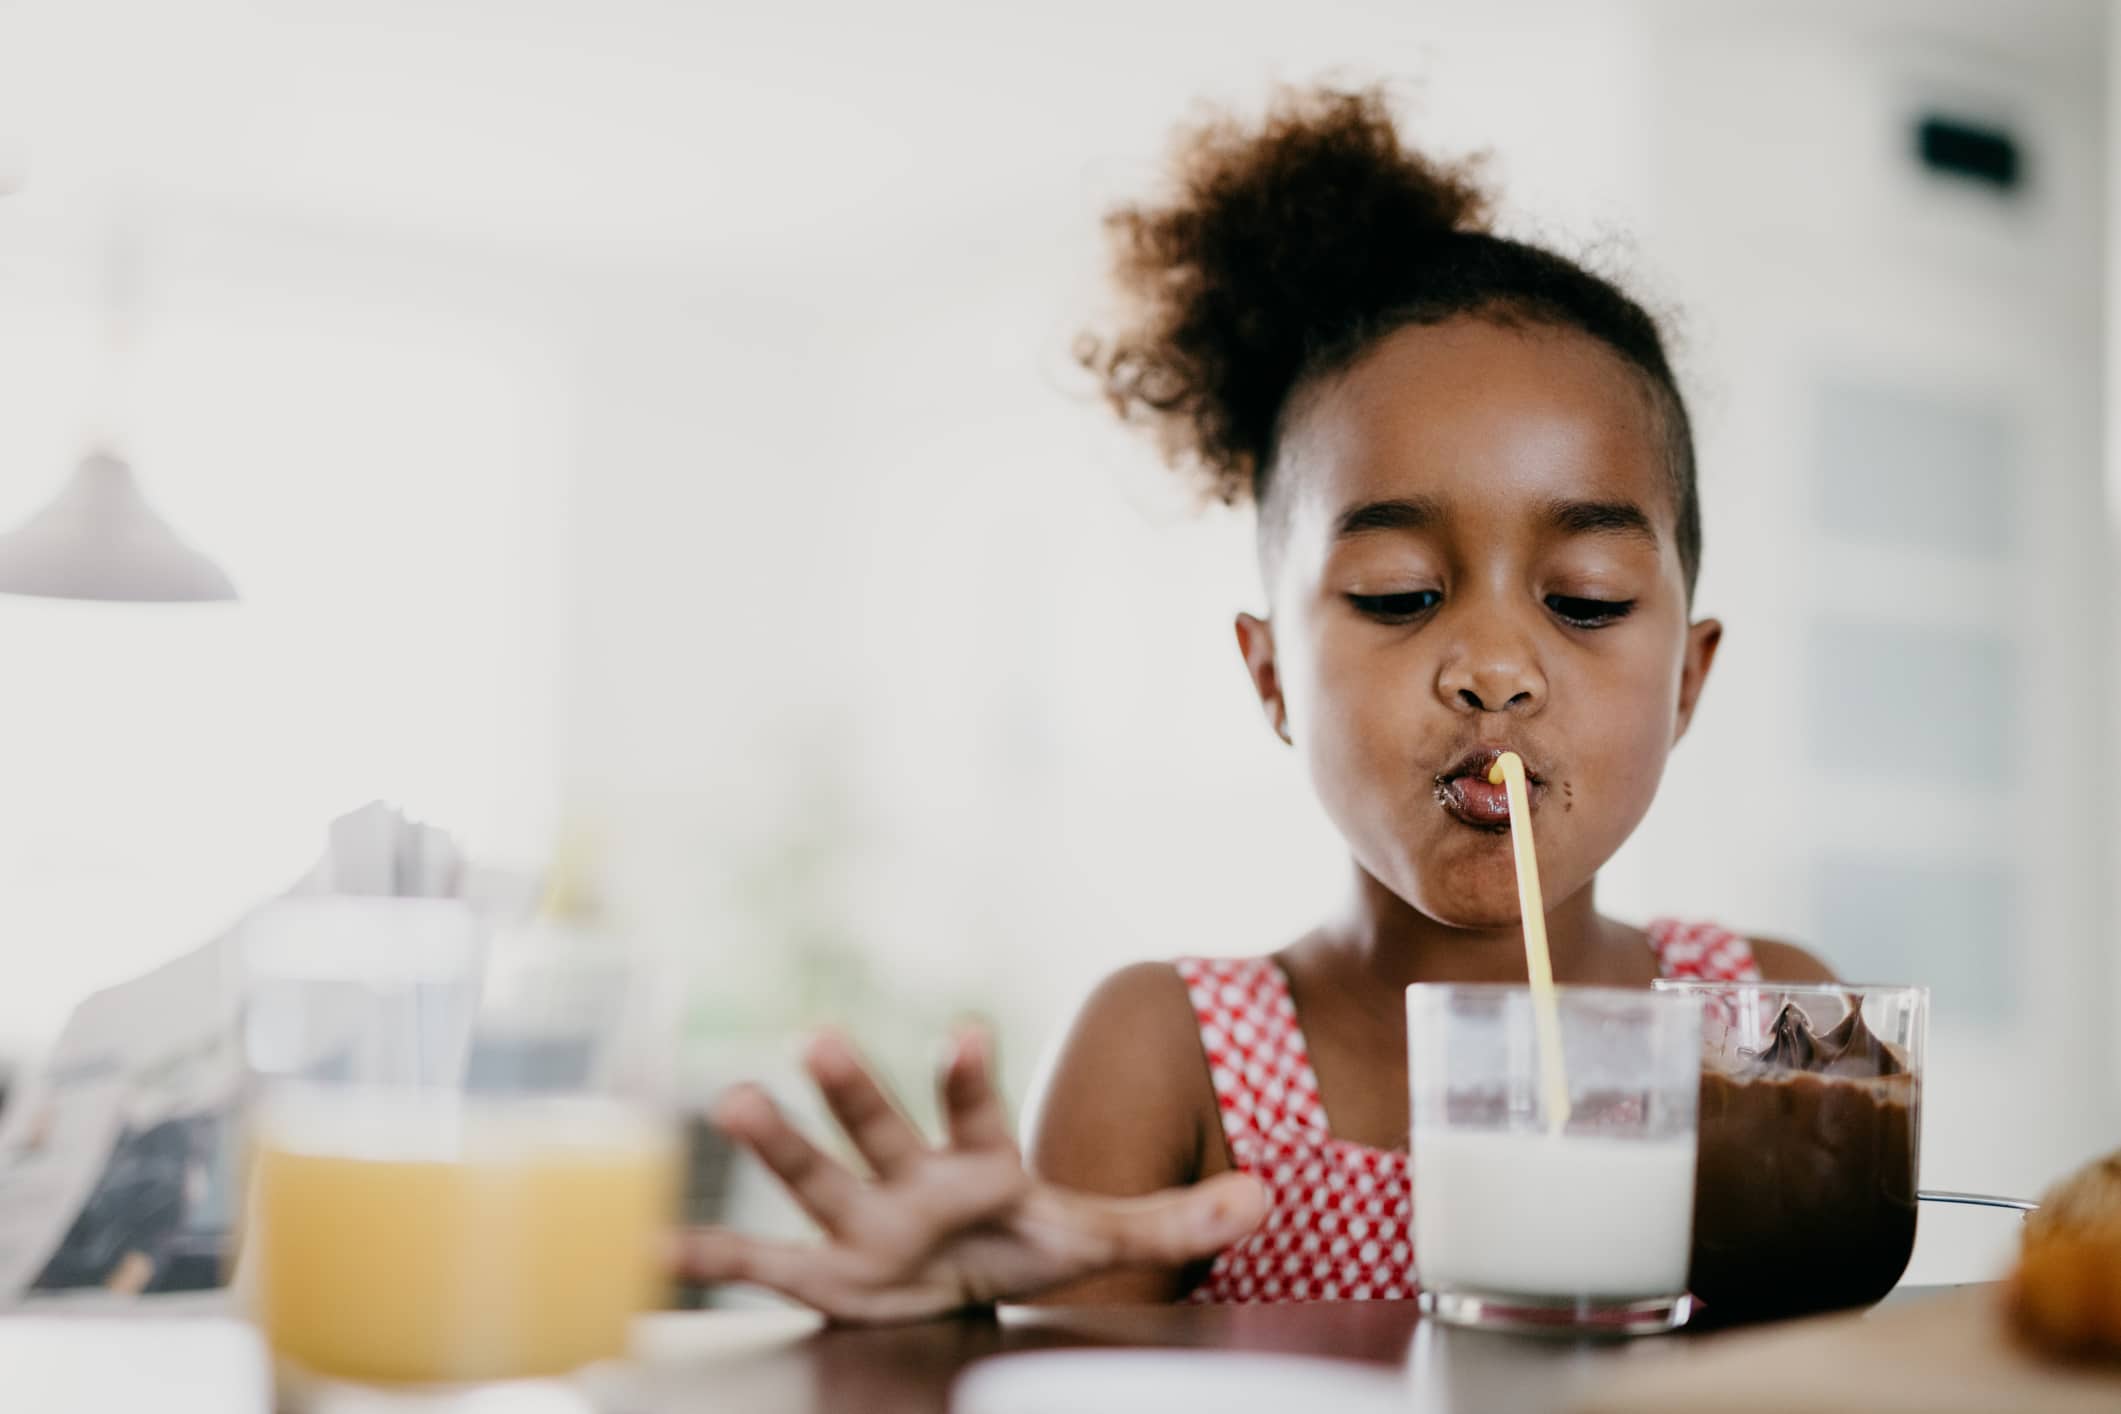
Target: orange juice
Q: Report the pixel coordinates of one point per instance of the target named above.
(456, 1239)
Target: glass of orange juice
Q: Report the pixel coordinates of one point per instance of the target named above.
(460, 1165)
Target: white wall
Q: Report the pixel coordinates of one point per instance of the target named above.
(1833, 792)
(374, 449)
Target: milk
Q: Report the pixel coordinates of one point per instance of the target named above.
(1552, 1217)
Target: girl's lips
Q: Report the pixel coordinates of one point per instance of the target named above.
(1463, 790)
(1474, 802)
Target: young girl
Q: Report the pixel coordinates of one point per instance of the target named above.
(1478, 530)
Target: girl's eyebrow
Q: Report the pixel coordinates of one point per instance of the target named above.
(1410, 513)
(1567, 516)
(1601, 518)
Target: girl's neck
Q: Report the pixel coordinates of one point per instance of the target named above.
(1394, 944)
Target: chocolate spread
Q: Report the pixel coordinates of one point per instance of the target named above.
(1804, 1196)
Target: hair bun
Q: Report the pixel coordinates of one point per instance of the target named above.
(1276, 243)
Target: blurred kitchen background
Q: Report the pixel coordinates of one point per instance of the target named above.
(650, 426)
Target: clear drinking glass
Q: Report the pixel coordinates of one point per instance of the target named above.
(459, 1165)
(1811, 1126)
(1517, 1225)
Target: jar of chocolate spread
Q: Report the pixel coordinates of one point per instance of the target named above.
(1810, 1129)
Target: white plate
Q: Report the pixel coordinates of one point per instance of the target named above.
(1124, 1381)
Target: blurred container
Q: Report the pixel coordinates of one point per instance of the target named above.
(461, 1167)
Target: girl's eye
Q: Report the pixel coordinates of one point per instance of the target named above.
(1396, 608)
(1589, 613)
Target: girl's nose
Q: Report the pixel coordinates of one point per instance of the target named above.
(1492, 666)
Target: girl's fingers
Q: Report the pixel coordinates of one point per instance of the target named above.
(886, 1138)
(824, 1189)
(826, 1279)
(902, 1230)
(971, 1107)
(1175, 1226)
(958, 1191)
(715, 1254)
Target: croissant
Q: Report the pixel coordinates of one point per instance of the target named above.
(2066, 1293)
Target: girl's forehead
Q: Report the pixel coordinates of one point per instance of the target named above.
(1480, 419)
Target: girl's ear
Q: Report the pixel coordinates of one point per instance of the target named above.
(1702, 640)
(1255, 639)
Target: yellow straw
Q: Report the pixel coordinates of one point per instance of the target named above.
(1508, 772)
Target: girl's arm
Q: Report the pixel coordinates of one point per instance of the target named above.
(1128, 1110)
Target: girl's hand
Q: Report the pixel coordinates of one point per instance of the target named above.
(943, 1228)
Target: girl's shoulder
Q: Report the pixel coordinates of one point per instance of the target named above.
(1709, 950)
(1786, 962)
(1127, 1095)
(1143, 1000)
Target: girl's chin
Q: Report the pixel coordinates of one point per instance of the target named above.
(1472, 915)
(1475, 904)
(1476, 893)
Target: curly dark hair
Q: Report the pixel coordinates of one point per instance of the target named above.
(1288, 250)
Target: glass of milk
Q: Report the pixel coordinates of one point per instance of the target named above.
(460, 1167)
(1521, 1222)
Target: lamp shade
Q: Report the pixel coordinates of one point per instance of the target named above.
(100, 539)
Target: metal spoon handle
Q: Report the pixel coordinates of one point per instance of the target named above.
(1977, 1200)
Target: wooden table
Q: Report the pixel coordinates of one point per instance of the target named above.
(1383, 1360)
(786, 1363)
